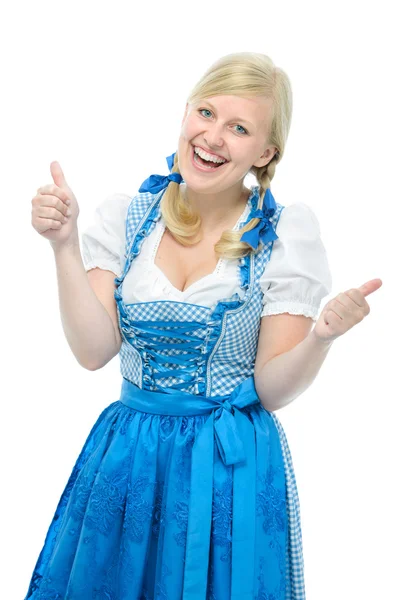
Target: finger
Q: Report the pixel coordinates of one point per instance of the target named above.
(336, 325)
(58, 175)
(347, 300)
(339, 309)
(348, 314)
(53, 202)
(356, 296)
(45, 224)
(370, 286)
(332, 319)
(53, 190)
(359, 300)
(48, 212)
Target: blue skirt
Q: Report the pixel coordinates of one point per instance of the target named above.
(177, 497)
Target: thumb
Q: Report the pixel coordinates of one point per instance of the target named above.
(370, 286)
(58, 175)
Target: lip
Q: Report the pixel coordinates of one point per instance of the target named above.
(205, 169)
(211, 153)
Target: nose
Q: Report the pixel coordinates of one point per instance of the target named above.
(213, 136)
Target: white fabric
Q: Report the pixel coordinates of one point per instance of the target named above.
(295, 280)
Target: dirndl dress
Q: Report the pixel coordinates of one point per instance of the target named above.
(184, 488)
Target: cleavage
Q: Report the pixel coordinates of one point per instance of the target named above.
(184, 266)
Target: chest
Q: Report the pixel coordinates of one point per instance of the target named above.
(185, 265)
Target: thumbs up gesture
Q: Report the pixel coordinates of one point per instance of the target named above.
(55, 209)
(343, 312)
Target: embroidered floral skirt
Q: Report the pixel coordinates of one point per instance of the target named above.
(136, 520)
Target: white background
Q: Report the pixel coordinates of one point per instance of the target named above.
(101, 88)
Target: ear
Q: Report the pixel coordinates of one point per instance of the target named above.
(266, 157)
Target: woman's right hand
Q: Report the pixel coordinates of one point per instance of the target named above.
(50, 209)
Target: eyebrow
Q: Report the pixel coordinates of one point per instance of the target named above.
(233, 118)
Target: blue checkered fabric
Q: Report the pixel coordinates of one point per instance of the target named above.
(214, 348)
(295, 589)
(236, 354)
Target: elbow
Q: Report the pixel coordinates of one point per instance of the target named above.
(269, 406)
(88, 366)
(273, 399)
(272, 409)
(91, 366)
(96, 366)
(265, 402)
(88, 363)
(283, 401)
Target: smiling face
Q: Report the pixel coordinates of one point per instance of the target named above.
(231, 127)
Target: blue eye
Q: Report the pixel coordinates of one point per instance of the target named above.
(206, 109)
(243, 132)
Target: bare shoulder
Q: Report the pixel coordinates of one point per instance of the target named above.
(102, 283)
(279, 334)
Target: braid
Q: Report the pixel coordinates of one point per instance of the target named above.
(264, 177)
(182, 222)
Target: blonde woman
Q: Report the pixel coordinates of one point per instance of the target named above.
(209, 291)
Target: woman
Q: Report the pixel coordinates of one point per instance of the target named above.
(185, 486)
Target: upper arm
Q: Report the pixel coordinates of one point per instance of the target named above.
(103, 245)
(279, 334)
(295, 280)
(102, 283)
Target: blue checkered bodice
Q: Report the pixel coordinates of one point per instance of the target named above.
(172, 346)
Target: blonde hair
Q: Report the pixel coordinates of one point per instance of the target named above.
(240, 74)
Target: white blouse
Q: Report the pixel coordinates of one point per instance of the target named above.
(295, 280)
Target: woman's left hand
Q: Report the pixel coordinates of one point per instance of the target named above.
(344, 311)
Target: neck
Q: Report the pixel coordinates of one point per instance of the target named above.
(218, 209)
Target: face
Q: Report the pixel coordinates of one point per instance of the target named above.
(229, 127)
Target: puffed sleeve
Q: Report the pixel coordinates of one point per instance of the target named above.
(297, 276)
(103, 242)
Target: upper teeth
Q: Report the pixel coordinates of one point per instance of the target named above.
(206, 156)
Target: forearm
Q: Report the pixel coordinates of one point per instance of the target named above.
(288, 375)
(87, 325)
